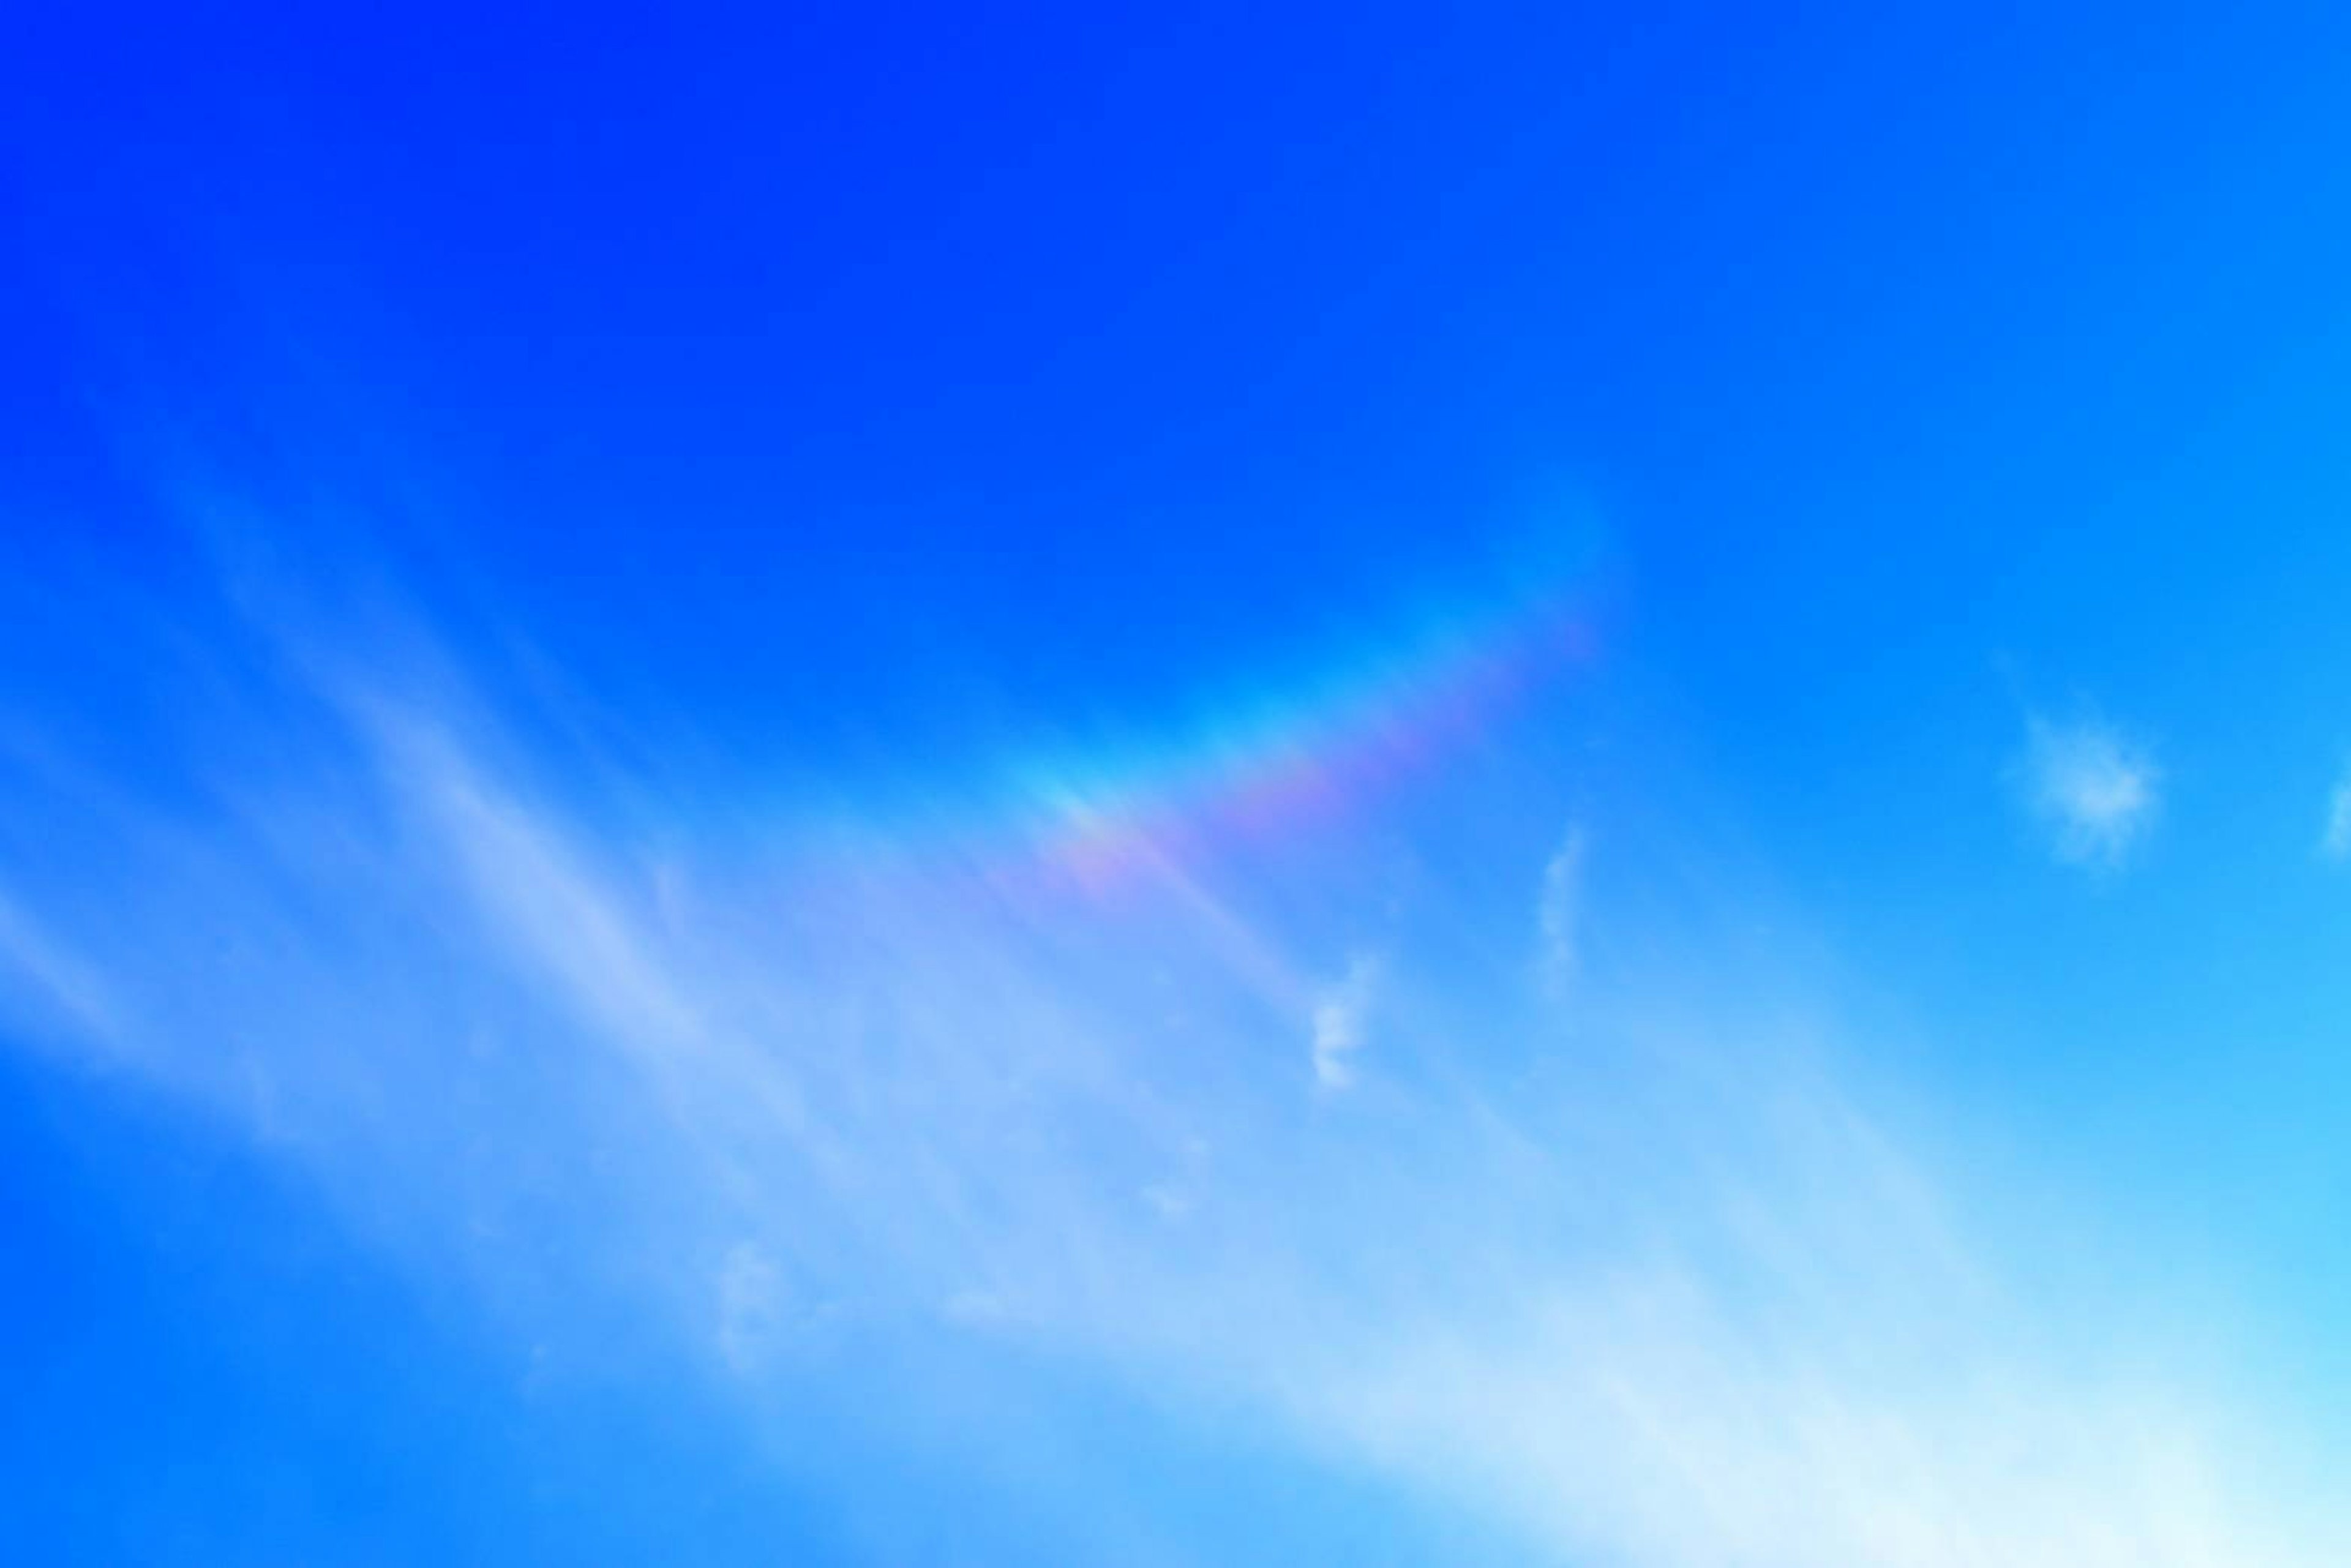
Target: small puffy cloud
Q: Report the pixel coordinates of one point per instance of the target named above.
(1168, 1200)
(2094, 787)
(2335, 843)
(1338, 1020)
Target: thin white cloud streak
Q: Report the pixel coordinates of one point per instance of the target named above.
(1341, 1016)
(2094, 789)
(2334, 842)
(62, 986)
(1558, 916)
(1658, 1313)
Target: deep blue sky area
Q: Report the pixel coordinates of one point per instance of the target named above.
(971, 315)
(507, 481)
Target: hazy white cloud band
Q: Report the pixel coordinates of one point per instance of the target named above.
(1662, 1294)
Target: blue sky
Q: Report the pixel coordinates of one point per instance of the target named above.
(858, 785)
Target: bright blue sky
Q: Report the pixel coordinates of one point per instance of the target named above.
(858, 785)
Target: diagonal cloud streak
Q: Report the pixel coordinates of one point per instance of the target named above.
(1672, 1296)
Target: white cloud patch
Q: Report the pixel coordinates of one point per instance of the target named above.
(2094, 787)
(1341, 1016)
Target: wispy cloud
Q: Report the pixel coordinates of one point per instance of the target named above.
(1638, 1311)
(2093, 787)
(2335, 841)
(749, 1291)
(59, 980)
(1558, 914)
(1341, 1016)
